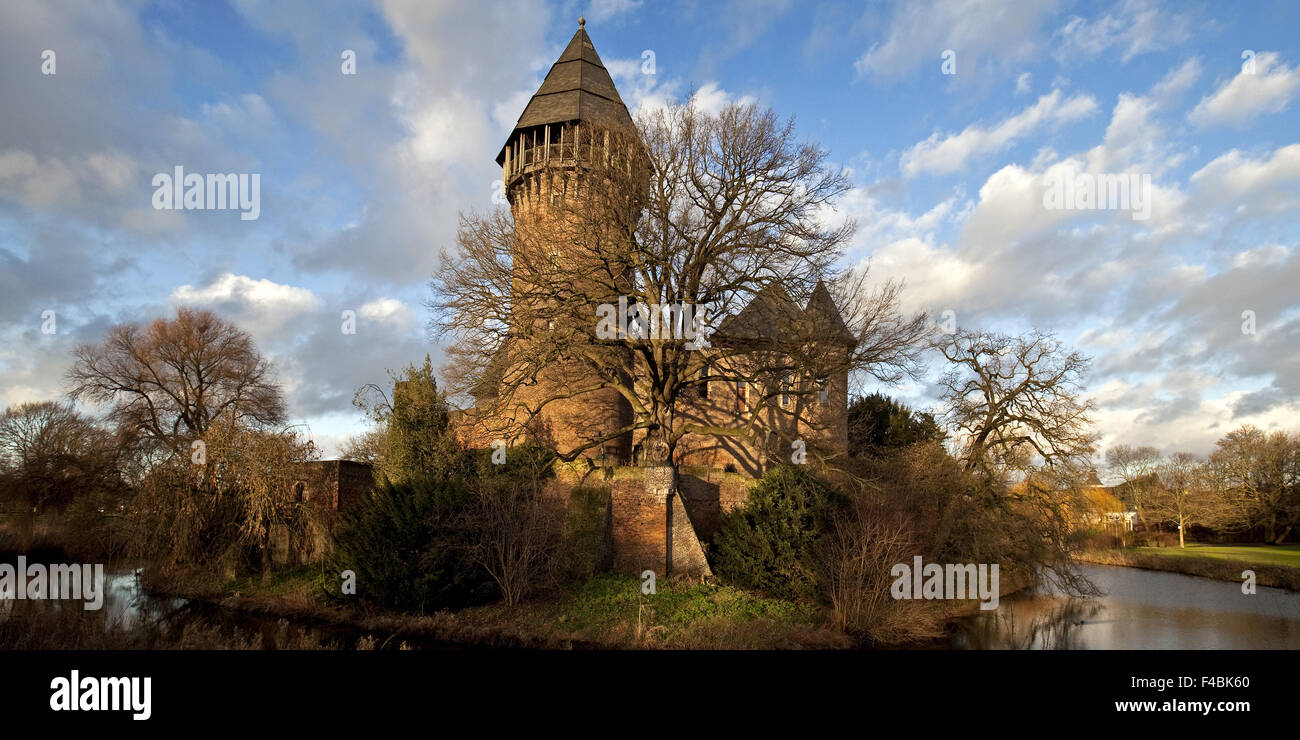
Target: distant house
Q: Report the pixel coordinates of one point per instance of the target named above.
(1104, 508)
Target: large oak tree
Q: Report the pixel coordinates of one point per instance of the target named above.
(701, 209)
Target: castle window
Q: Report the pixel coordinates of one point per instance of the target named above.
(822, 392)
(704, 387)
(785, 389)
(742, 394)
(299, 492)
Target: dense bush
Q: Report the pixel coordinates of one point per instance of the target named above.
(1096, 538)
(408, 546)
(464, 532)
(768, 544)
(877, 424)
(223, 514)
(961, 517)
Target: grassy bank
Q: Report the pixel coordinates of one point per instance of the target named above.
(1274, 565)
(606, 612)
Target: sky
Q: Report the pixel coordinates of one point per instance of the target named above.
(952, 118)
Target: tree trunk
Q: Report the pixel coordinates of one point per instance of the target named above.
(1282, 537)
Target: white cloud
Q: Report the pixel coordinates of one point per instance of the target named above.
(918, 32)
(943, 155)
(1270, 254)
(43, 182)
(264, 308)
(1178, 81)
(710, 98)
(249, 113)
(1023, 83)
(605, 10)
(1268, 89)
(262, 294)
(1234, 178)
(1133, 27)
(389, 311)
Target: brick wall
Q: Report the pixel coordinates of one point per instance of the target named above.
(649, 529)
(708, 494)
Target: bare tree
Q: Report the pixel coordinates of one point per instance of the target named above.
(1136, 468)
(171, 378)
(365, 447)
(1185, 495)
(1259, 475)
(50, 453)
(1014, 399)
(696, 210)
(516, 529)
(854, 561)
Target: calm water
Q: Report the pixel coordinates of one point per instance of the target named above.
(1140, 610)
(126, 602)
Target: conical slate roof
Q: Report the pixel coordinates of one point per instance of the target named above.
(768, 316)
(578, 88)
(824, 316)
(773, 316)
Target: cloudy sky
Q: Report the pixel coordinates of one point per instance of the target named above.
(362, 176)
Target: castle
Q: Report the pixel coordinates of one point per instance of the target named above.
(653, 521)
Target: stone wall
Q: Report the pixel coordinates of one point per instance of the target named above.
(648, 527)
(708, 494)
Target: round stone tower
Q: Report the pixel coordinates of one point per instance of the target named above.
(564, 130)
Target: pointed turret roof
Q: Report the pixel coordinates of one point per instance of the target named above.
(825, 317)
(767, 316)
(578, 88)
(772, 315)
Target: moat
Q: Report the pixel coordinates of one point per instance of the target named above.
(1138, 610)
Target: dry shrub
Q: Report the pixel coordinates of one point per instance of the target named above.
(961, 517)
(854, 559)
(517, 534)
(222, 513)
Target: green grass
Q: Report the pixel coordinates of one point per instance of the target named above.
(1283, 555)
(609, 610)
(607, 600)
(1274, 565)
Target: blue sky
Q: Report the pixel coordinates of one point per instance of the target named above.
(362, 176)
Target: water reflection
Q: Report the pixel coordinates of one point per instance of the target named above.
(1139, 610)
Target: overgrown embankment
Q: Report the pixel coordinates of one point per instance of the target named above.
(606, 611)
